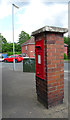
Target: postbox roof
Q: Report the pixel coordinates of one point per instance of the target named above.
(50, 29)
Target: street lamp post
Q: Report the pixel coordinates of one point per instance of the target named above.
(13, 5)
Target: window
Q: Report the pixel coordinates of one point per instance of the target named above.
(20, 56)
(39, 59)
(26, 47)
(9, 56)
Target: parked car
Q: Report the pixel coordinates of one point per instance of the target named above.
(1, 58)
(18, 58)
(23, 54)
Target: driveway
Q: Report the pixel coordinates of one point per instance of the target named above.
(20, 99)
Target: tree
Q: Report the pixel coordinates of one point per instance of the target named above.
(3, 43)
(23, 37)
(67, 41)
(17, 47)
(3, 40)
(6, 47)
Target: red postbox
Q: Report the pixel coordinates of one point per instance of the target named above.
(49, 54)
(39, 49)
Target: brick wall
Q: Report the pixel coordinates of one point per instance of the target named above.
(23, 48)
(30, 52)
(65, 50)
(55, 68)
(50, 91)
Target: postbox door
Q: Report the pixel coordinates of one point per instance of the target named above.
(39, 61)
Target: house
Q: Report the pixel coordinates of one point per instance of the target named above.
(65, 48)
(28, 48)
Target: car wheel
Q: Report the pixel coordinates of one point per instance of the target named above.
(16, 60)
(5, 61)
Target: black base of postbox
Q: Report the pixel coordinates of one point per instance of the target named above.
(42, 94)
(41, 90)
(45, 102)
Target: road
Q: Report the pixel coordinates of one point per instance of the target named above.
(19, 98)
(66, 66)
(19, 66)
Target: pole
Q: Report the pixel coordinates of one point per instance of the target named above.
(13, 5)
(13, 34)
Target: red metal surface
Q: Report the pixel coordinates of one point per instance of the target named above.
(39, 48)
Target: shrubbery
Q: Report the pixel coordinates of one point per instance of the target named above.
(11, 53)
(69, 55)
(65, 56)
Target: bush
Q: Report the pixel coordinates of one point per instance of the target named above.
(69, 55)
(65, 56)
(11, 53)
(18, 52)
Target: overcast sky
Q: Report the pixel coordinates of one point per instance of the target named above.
(32, 15)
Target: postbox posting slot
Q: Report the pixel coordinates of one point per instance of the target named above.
(38, 46)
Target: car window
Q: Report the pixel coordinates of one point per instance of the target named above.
(20, 55)
(15, 56)
(9, 56)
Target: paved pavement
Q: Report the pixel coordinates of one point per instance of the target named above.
(19, 99)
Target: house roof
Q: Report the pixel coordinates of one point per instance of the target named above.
(30, 41)
(65, 45)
